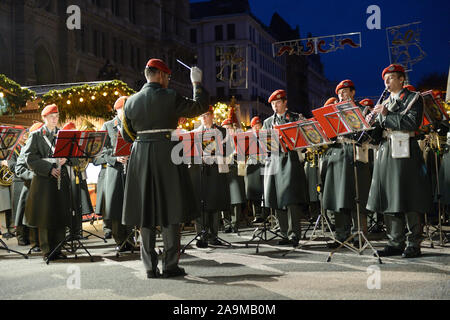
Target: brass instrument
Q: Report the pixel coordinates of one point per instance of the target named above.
(313, 154)
(435, 142)
(80, 168)
(6, 176)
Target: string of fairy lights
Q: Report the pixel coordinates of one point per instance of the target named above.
(89, 101)
(221, 112)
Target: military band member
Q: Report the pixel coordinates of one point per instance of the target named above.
(100, 195)
(115, 177)
(6, 209)
(376, 224)
(339, 185)
(21, 170)
(400, 187)
(211, 190)
(284, 179)
(47, 205)
(16, 189)
(158, 192)
(254, 179)
(235, 181)
(444, 173)
(81, 200)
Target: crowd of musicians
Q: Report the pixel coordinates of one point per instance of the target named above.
(396, 185)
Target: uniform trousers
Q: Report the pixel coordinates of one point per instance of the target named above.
(209, 223)
(289, 221)
(395, 226)
(233, 216)
(346, 223)
(50, 238)
(171, 240)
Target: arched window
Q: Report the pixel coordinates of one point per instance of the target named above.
(43, 66)
(5, 63)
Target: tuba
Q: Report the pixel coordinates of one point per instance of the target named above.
(6, 176)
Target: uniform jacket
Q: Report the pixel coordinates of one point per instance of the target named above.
(400, 185)
(46, 207)
(288, 185)
(158, 192)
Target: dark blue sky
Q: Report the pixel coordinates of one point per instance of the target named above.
(364, 65)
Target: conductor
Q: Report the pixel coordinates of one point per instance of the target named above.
(158, 192)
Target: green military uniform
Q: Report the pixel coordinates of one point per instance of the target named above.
(22, 171)
(254, 185)
(114, 183)
(47, 207)
(311, 171)
(213, 189)
(158, 192)
(444, 174)
(100, 194)
(237, 189)
(237, 196)
(6, 211)
(81, 198)
(286, 190)
(401, 186)
(16, 189)
(339, 190)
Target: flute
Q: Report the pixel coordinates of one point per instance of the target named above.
(59, 177)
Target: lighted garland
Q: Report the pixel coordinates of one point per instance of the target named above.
(220, 113)
(16, 96)
(90, 101)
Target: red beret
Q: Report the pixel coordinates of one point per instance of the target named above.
(210, 110)
(344, 84)
(52, 108)
(277, 95)
(393, 68)
(367, 102)
(331, 100)
(69, 126)
(410, 87)
(120, 102)
(437, 94)
(255, 121)
(226, 122)
(35, 126)
(158, 64)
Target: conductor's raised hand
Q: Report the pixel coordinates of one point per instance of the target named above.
(196, 75)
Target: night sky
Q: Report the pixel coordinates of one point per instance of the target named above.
(364, 65)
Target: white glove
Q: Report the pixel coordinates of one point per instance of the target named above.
(196, 74)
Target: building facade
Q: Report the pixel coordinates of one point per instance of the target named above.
(218, 26)
(116, 39)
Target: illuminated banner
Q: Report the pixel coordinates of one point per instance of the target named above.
(404, 45)
(316, 45)
(233, 66)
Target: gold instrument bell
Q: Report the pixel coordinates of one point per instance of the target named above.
(6, 176)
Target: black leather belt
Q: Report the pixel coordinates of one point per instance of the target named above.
(152, 137)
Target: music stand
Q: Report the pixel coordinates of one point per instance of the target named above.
(9, 138)
(76, 144)
(248, 144)
(201, 146)
(337, 120)
(300, 135)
